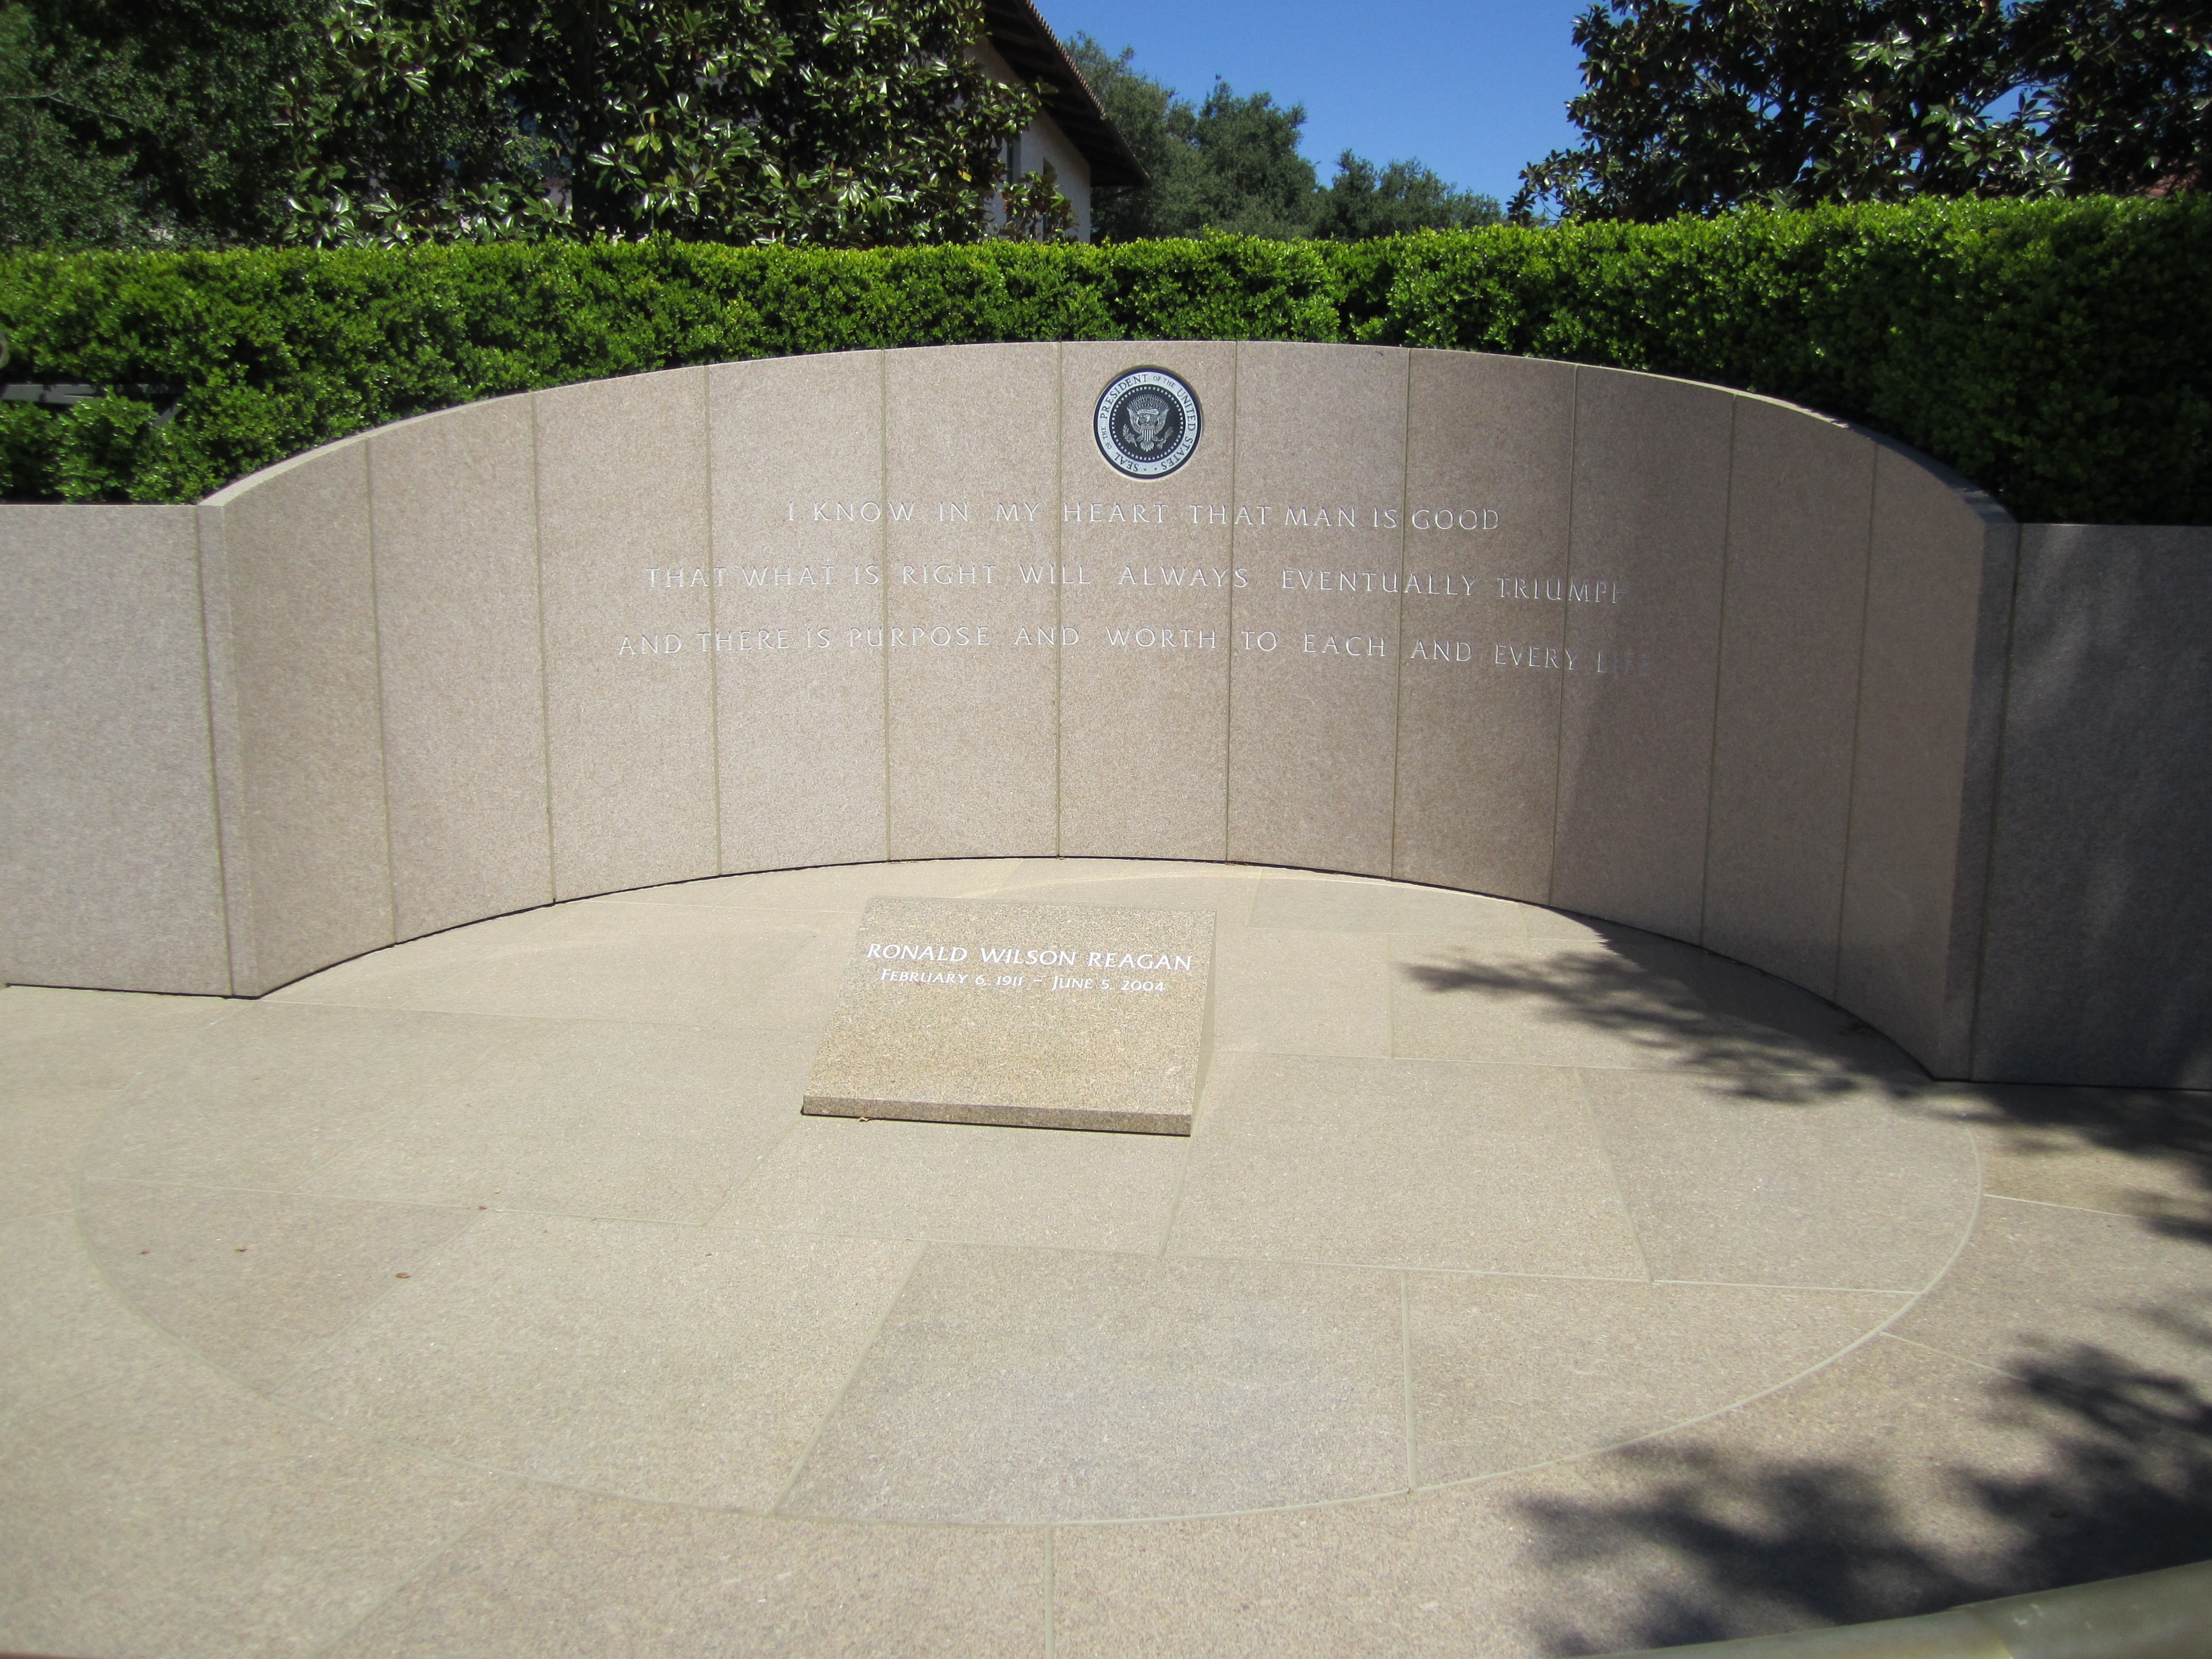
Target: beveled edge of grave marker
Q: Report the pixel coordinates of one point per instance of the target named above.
(1031, 1016)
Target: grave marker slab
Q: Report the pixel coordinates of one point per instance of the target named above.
(1042, 1015)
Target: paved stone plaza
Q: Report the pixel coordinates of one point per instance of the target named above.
(1526, 1286)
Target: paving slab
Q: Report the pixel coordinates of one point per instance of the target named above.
(1028, 1385)
(179, 1513)
(1406, 1164)
(554, 1572)
(1526, 1286)
(681, 1365)
(1029, 1015)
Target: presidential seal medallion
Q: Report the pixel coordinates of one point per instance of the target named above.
(1147, 423)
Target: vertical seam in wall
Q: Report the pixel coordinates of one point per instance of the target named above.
(1059, 609)
(215, 787)
(1398, 644)
(544, 655)
(713, 657)
(383, 726)
(883, 570)
(246, 947)
(1996, 796)
(1559, 728)
(1858, 697)
(1229, 693)
(1720, 671)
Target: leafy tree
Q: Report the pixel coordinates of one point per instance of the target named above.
(412, 124)
(1249, 179)
(1034, 208)
(1232, 164)
(345, 121)
(2126, 88)
(1147, 114)
(850, 125)
(1365, 201)
(129, 123)
(56, 191)
(1696, 106)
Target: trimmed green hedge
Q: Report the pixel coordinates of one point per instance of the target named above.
(2059, 354)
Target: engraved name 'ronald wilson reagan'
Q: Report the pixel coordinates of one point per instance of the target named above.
(1037, 1015)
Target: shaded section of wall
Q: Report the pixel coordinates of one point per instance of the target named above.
(298, 717)
(1931, 689)
(2097, 963)
(110, 873)
(454, 520)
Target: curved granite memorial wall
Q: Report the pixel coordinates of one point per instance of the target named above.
(1652, 651)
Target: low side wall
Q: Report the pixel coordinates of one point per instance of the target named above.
(110, 864)
(2097, 958)
(1656, 652)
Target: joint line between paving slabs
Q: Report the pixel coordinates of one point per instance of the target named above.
(1406, 1366)
(876, 1335)
(1051, 1589)
(1612, 1175)
(406, 1580)
(275, 1393)
(1182, 1177)
(1954, 1358)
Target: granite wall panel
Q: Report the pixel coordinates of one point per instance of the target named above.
(1647, 650)
(2094, 966)
(454, 523)
(971, 636)
(110, 872)
(1931, 686)
(292, 613)
(625, 565)
(1146, 580)
(1489, 443)
(799, 608)
(1639, 668)
(1800, 510)
(1318, 526)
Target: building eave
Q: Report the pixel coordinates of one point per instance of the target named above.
(1020, 35)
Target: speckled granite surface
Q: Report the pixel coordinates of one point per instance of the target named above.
(1042, 1015)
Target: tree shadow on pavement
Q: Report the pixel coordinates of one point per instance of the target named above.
(2075, 1463)
(1680, 1007)
(2160, 1140)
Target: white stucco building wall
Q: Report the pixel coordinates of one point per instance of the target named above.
(1042, 141)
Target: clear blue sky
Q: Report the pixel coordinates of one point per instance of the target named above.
(1477, 90)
